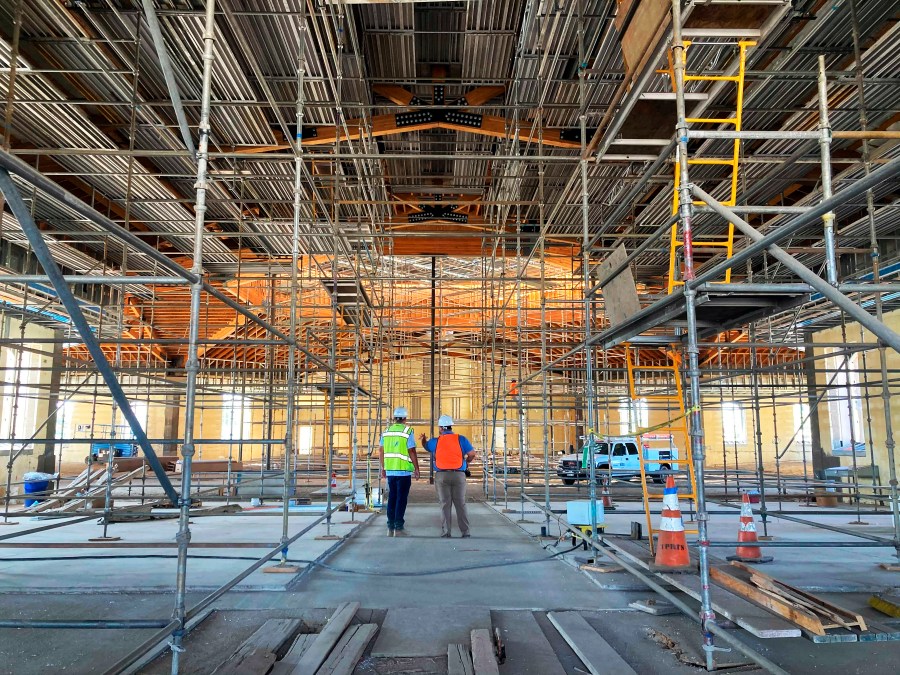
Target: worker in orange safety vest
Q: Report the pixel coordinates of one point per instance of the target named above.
(451, 454)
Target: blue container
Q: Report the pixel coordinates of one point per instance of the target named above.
(33, 487)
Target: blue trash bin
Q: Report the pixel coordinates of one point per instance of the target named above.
(35, 487)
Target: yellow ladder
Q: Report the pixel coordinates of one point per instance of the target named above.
(662, 377)
(726, 243)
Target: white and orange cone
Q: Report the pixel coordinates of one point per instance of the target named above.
(671, 546)
(746, 551)
(607, 497)
(333, 480)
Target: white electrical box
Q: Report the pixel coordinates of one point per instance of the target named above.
(579, 513)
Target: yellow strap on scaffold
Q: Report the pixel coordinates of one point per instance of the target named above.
(668, 422)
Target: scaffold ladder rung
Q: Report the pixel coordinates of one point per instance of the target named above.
(710, 120)
(712, 78)
(675, 276)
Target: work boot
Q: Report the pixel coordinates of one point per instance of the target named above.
(446, 535)
(466, 535)
(390, 533)
(401, 533)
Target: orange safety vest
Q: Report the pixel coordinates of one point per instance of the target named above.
(448, 456)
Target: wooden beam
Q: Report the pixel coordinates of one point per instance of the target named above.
(395, 94)
(144, 329)
(222, 334)
(386, 125)
(481, 95)
(381, 125)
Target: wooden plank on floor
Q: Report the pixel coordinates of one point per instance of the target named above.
(348, 650)
(748, 616)
(835, 613)
(779, 606)
(459, 660)
(290, 660)
(326, 640)
(527, 648)
(744, 613)
(483, 660)
(258, 652)
(595, 652)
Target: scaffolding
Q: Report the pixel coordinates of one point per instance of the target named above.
(274, 295)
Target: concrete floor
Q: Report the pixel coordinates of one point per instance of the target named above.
(842, 570)
(392, 589)
(507, 584)
(122, 566)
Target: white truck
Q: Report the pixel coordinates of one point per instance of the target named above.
(623, 459)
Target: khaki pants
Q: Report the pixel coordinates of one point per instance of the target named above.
(451, 491)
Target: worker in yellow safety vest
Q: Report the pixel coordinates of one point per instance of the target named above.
(399, 465)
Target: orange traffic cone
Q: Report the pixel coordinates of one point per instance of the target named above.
(671, 547)
(747, 534)
(607, 497)
(333, 480)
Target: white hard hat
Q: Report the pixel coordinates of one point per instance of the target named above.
(445, 421)
(401, 412)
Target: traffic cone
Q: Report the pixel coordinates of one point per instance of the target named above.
(671, 546)
(607, 497)
(747, 534)
(333, 480)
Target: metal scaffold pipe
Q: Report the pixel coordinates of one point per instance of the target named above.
(695, 426)
(45, 257)
(193, 362)
(165, 64)
(856, 312)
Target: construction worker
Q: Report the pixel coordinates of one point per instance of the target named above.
(450, 455)
(399, 464)
(514, 388)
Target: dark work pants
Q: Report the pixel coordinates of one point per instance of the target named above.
(398, 493)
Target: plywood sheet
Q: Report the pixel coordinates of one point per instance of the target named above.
(620, 298)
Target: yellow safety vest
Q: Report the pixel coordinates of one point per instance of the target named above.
(396, 454)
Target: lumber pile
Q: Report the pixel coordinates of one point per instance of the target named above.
(747, 615)
(70, 490)
(279, 648)
(819, 620)
(764, 606)
(66, 500)
(98, 489)
(258, 653)
(334, 651)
